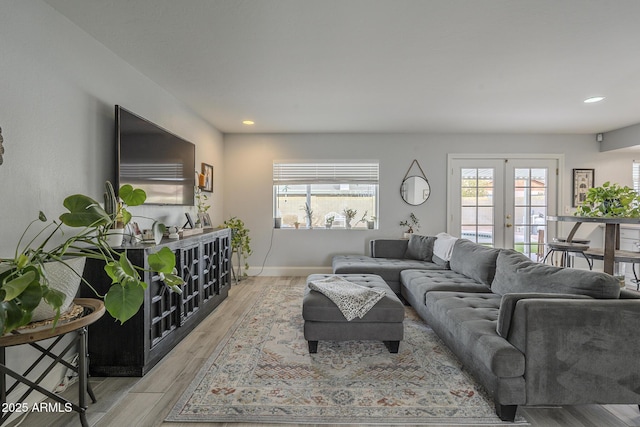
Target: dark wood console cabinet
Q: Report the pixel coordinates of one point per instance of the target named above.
(132, 349)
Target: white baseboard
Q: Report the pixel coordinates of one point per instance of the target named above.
(289, 271)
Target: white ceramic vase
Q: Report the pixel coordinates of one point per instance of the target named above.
(114, 237)
(64, 277)
(158, 232)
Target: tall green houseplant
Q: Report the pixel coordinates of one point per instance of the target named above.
(24, 283)
(240, 244)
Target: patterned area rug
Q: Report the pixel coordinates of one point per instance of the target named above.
(262, 372)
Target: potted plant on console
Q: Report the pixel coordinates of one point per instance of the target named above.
(610, 200)
(203, 207)
(26, 281)
(117, 210)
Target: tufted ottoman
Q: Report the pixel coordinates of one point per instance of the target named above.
(324, 321)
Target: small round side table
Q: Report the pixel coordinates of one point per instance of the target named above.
(93, 309)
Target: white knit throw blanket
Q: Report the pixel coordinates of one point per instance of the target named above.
(352, 299)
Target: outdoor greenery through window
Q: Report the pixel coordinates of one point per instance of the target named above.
(339, 194)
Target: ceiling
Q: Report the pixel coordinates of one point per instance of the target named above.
(481, 66)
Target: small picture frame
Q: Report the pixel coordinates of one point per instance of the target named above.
(583, 180)
(205, 220)
(189, 223)
(207, 171)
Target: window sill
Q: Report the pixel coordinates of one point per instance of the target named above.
(325, 229)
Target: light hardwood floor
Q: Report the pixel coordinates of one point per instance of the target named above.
(128, 402)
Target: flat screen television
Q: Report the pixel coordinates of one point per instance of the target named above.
(155, 160)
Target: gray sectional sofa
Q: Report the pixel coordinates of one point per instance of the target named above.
(530, 333)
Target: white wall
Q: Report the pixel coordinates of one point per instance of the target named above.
(58, 88)
(248, 193)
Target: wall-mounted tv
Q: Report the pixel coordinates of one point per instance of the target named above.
(155, 160)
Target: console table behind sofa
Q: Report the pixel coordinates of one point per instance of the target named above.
(611, 235)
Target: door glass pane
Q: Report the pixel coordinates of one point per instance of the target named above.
(469, 214)
(530, 210)
(477, 205)
(485, 215)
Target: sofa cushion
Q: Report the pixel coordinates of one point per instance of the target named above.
(420, 247)
(387, 268)
(420, 282)
(474, 260)
(515, 273)
(470, 319)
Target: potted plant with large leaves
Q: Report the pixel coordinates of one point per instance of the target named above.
(610, 200)
(24, 281)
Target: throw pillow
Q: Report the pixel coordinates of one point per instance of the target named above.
(443, 246)
(420, 247)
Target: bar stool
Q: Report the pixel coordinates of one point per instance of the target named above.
(560, 245)
(581, 241)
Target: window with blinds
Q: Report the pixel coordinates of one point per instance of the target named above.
(337, 194)
(636, 176)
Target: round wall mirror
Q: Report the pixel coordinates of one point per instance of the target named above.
(415, 190)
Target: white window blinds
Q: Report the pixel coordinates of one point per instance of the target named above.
(293, 172)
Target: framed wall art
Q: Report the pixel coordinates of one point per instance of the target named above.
(207, 171)
(582, 182)
(205, 220)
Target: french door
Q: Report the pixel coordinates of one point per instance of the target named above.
(503, 202)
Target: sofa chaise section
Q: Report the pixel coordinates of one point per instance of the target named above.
(388, 258)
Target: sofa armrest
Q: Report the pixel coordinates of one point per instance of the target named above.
(388, 248)
(579, 351)
(627, 294)
(509, 301)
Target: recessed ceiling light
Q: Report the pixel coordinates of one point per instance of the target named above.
(248, 122)
(593, 99)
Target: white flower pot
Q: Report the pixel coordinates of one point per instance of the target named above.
(64, 277)
(158, 232)
(114, 237)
